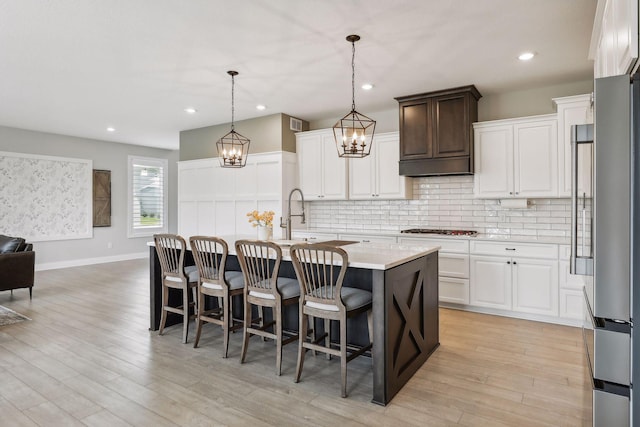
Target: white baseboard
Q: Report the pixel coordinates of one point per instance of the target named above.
(89, 261)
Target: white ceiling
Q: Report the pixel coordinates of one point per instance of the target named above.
(75, 67)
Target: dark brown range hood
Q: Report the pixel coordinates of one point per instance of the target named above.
(436, 133)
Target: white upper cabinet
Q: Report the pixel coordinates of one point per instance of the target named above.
(377, 175)
(535, 168)
(323, 175)
(494, 161)
(516, 158)
(573, 110)
(615, 37)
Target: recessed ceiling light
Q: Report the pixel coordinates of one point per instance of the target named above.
(526, 56)
(110, 129)
(367, 86)
(261, 107)
(190, 110)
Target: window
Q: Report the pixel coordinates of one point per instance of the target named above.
(147, 201)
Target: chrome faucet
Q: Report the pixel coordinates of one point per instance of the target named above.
(287, 224)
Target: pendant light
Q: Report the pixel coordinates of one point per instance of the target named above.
(233, 148)
(354, 132)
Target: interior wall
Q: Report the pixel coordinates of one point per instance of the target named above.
(265, 134)
(528, 102)
(105, 155)
(520, 103)
(289, 136)
(386, 120)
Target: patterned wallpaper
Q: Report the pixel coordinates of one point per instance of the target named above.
(44, 197)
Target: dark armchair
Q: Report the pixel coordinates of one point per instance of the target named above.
(17, 262)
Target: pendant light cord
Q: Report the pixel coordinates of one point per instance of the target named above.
(353, 75)
(232, 101)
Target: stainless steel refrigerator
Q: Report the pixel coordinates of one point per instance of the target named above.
(606, 246)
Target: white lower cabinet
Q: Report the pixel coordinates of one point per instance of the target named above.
(571, 285)
(453, 290)
(490, 282)
(535, 286)
(525, 281)
(525, 285)
(453, 267)
(571, 304)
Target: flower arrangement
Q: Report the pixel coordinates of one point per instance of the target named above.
(264, 219)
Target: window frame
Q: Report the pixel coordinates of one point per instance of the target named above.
(132, 231)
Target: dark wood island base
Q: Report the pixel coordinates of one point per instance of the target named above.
(405, 315)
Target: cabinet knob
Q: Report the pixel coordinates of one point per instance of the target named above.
(514, 263)
(511, 193)
(517, 193)
(373, 195)
(508, 262)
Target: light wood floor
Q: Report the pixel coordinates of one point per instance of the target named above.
(87, 358)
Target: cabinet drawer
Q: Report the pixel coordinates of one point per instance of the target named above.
(454, 290)
(452, 265)
(531, 250)
(368, 238)
(446, 245)
(313, 236)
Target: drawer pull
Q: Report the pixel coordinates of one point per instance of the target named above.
(510, 249)
(366, 241)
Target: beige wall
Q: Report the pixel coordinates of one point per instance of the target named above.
(268, 133)
(386, 120)
(528, 102)
(289, 136)
(505, 105)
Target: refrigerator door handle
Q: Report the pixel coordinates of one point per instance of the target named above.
(580, 134)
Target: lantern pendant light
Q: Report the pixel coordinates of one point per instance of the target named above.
(233, 148)
(354, 132)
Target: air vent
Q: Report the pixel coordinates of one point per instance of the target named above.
(295, 124)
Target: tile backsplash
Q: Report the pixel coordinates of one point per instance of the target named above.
(444, 202)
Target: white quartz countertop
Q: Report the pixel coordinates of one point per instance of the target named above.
(373, 256)
(481, 236)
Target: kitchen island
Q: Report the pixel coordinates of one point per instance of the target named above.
(404, 282)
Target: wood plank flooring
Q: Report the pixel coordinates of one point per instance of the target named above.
(87, 358)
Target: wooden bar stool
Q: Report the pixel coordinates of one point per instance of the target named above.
(321, 269)
(260, 262)
(170, 249)
(210, 255)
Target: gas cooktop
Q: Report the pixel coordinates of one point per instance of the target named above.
(443, 232)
